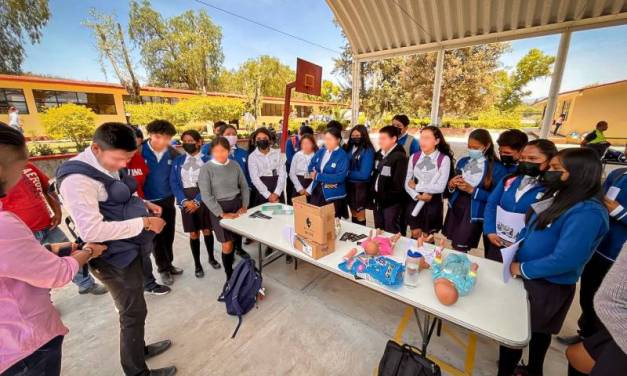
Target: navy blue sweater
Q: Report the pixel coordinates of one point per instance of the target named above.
(360, 165)
(157, 184)
(333, 176)
(613, 242)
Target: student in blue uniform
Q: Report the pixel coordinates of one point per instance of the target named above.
(511, 144)
(561, 233)
(512, 197)
(292, 146)
(194, 213)
(428, 173)
(476, 176)
(328, 169)
(361, 154)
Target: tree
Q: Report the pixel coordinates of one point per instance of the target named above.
(330, 92)
(70, 121)
(111, 44)
(20, 19)
(533, 65)
(184, 51)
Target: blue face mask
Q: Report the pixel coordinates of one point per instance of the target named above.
(475, 154)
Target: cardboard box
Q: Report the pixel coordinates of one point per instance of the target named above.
(314, 223)
(313, 249)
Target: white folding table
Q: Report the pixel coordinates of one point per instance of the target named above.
(494, 309)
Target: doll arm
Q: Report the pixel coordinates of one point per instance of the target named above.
(467, 282)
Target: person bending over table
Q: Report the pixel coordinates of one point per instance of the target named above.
(224, 189)
(562, 231)
(32, 331)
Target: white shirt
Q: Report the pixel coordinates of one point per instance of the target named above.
(326, 157)
(14, 119)
(81, 195)
(260, 164)
(299, 167)
(158, 154)
(191, 170)
(383, 155)
(473, 171)
(431, 179)
(521, 190)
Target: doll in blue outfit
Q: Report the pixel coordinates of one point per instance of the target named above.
(453, 276)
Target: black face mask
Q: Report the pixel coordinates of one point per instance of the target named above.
(356, 141)
(263, 144)
(190, 148)
(552, 179)
(508, 160)
(529, 169)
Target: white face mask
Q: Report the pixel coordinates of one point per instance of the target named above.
(232, 140)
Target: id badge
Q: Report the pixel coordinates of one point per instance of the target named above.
(307, 175)
(386, 171)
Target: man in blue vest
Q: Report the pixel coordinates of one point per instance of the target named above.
(159, 155)
(100, 197)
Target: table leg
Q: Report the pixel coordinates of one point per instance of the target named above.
(426, 325)
(260, 258)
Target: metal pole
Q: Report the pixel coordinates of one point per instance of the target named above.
(286, 114)
(556, 82)
(356, 78)
(437, 86)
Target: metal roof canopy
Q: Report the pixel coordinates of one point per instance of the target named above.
(378, 29)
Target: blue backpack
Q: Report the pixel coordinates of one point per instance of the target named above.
(240, 291)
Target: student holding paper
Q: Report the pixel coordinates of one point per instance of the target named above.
(562, 231)
(428, 173)
(513, 196)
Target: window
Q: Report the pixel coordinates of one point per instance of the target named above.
(101, 104)
(13, 98)
(271, 109)
(303, 111)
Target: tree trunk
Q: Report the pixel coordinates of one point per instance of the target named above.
(134, 87)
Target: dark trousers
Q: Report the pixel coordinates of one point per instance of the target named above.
(538, 346)
(126, 286)
(591, 278)
(149, 278)
(164, 240)
(388, 218)
(45, 361)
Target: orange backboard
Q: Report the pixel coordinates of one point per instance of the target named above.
(308, 77)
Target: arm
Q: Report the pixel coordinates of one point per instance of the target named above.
(176, 185)
(206, 192)
(408, 177)
(293, 176)
(438, 184)
(341, 170)
(80, 197)
(489, 215)
(280, 184)
(253, 170)
(365, 167)
(575, 246)
(610, 301)
(398, 177)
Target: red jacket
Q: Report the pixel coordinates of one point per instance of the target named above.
(138, 169)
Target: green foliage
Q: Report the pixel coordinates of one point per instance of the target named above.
(20, 19)
(183, 51)
(41, 150)
(70, 121)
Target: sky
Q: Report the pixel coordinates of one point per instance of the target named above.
(67, 48)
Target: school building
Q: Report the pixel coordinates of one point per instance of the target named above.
(584, 107)
(32, 95)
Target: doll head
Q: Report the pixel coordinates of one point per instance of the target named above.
(445, 291)
(371, 247)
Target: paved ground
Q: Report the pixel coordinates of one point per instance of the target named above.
(311, 323)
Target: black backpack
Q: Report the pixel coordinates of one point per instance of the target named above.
(405, 360)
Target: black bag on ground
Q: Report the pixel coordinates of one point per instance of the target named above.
(405, 360)
(240, 291)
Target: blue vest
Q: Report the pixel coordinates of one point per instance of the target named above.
(120, 205)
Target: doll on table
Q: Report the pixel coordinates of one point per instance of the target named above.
(453, 276)
(378, 245)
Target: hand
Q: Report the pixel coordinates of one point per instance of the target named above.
(154, 224)
(273, 198)
(425, 197)
(190, 206)
(230, 215)
(155, 209)
(611, 205)
(302, 192)
(242, 211)
(474, 266)
(411, 184)
(97, 249)
(464, 186)
(495, 239)
(514, 268)
(452, 184)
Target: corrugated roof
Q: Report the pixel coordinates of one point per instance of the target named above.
(384, 28)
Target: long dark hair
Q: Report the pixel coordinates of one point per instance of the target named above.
(251, 144)
(443, 146)
(485, 139)
(584, 183)
(365, 139)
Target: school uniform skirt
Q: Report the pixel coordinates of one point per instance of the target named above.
(228, 206)
(548, 304)
(198, 220)
(270, 182)
(304, 182)
(458, 228)
(357, 195)
(317, 198)
(430, 217)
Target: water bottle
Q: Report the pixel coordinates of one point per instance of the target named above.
(412, 268)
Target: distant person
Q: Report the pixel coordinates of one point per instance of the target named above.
(14, 119)
(218, 127)
(558, 123)
(407, 141)
(597, 136)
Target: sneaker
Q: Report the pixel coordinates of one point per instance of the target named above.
(199, 273)
(94, 289)
(176, 271)
(214, 264)
(166, 278)
(158, 290)
(167, 371)
(154, 349)
(241, 253)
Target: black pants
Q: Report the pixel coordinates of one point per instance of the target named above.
(45, 361)
(538, 346)
(126, 286)
(164, 240)
(388, 218)
(591, 278)
(149, 278)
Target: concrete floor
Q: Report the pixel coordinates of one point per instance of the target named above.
(310, 323)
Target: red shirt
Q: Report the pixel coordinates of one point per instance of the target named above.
(27, 199)
(138, 169)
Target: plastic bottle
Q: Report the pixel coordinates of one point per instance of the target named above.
(412, 268)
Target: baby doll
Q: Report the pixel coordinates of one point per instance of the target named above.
(453, 276)
(378, 245)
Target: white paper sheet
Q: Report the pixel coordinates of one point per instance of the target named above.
(508, 254)
(612, 193)
(508, 224)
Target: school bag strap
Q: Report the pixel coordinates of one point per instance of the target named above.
(416, 156)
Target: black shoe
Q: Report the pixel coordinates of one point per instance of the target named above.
(176, 271)
(158, 290)
(167, 371)
(241, 253)
(288, 259)
(214, 264)
(156, 348)
(94, 289)
(166, 278)
(571, 340)
(199, 273)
